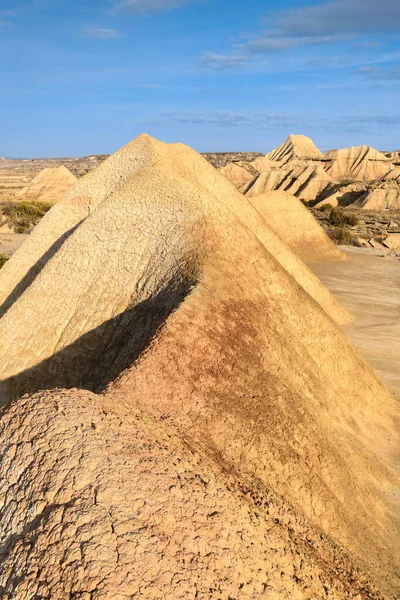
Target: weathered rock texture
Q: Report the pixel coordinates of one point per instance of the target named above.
(296, 146)
(383, 197)
(298, 167)
(235, 444)
(50, 185)
(361, 163)
(238, 173)
(296, 226)
(304, 181)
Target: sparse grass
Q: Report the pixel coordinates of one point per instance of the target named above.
(3, 259)
(338, 217)
(23, 216)
(341, 235)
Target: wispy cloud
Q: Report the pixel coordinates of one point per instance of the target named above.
(377, 72)
(360, 123)
(223, 61)
(150, 6)
(8, 13)
(340, 16)
(326, 23)
(273, 41)
(101, 33)
(229, 119)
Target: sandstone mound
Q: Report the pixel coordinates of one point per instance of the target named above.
(239, 446)
(294, 224)
(263, 164)
(343, 196)
(381, 198)
(296, 146)
(84, 198)
(50, 185)
(239, 174)
(361, 163)
(393, 175)
(304, 181)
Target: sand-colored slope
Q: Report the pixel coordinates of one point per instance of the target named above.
(304, 181)
(93, 189)
(50, 185)
(343, 196)
(296, 146)
(169, 298)
(380, 199)
(264, 164)
(239, 174)
(135, 512)
(361, 163)
(294, 224)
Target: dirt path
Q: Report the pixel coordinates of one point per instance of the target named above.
(368, 286)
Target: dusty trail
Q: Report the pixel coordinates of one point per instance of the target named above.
(368, 286)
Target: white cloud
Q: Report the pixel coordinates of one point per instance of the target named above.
(223, 61)
(340, 16)
(150, 6)
(101, 33)
(325, 23)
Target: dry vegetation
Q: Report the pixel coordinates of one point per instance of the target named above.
(23, 216)
(3, 259)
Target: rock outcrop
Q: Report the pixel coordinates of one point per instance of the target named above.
(230, 442)
(304, 181)
(294, 224)
(295, 147)
(238, 173)
(361, 163)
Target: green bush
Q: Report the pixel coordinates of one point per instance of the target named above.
(23, 216)
(339, 217)
(3, 259)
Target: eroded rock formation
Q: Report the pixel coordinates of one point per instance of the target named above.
(227, 441)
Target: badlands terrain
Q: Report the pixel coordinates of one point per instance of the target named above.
(183, 412)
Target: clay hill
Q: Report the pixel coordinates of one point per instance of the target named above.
(296, 146)
(206, 429)
(15, 174)
(50, 185)
(339, 177)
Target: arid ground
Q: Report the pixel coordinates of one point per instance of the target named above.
(367, 285)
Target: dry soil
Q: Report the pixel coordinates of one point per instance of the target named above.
(368, 286)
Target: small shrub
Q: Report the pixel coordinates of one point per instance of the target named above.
(325, 207)
(338, 217)
(23, 216)
(341, 235)
(347, 181)
(3, 259)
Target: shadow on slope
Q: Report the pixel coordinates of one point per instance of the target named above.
(34, 271)
(96, 358)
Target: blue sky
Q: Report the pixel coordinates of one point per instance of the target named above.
(85, 77)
